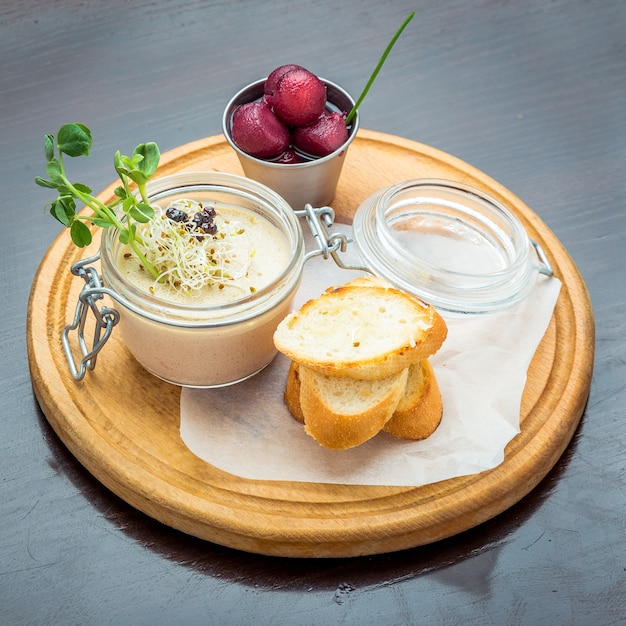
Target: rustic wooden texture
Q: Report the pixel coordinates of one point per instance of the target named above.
(129, 438)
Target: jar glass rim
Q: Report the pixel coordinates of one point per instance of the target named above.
(259, 198)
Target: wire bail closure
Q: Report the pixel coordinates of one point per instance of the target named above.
(544, 266)
(329, 245)
(105, 319)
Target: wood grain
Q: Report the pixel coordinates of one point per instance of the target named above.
(129, 439)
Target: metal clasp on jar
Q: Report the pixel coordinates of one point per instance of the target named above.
(328, 245)
(105, 319)
(544, 266)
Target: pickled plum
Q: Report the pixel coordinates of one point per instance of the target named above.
(299, 97)
(276, 75)
(290, 156)
(257, 131)
(293, 104)
(325, 135)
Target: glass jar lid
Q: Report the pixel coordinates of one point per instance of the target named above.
(450, 244)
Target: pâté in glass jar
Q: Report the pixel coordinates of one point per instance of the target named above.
(204, 265)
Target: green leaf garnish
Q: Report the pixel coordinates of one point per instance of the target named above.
(96, 221)
(141, 213)
(48, 144)
(81, 235)
(146, 167)
(64, 210)
(55, 172)
(383, 58)
(42, 182)
(82, 188)
(75, 140)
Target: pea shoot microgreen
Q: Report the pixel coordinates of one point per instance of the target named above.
(74, 140)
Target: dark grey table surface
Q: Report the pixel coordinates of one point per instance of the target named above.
(532, 93)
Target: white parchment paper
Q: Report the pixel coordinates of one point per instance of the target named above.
(246, 429)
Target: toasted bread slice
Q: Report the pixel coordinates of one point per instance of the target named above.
(417, 415)
(420, 410)
(364, 330)
(292, 392)
(340, 412)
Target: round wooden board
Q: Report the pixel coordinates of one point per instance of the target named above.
(123, 424)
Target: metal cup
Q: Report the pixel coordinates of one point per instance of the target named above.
(313, 182)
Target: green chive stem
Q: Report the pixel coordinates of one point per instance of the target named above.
(383, 58)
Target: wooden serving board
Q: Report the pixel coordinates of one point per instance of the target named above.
(122, 424)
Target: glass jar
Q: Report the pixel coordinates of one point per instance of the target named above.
(207, 345)
(450, 244)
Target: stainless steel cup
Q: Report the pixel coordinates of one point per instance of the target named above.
(313, 182)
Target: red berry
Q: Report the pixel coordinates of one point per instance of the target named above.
(299, 97)
(327, 134)
(258, 132)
